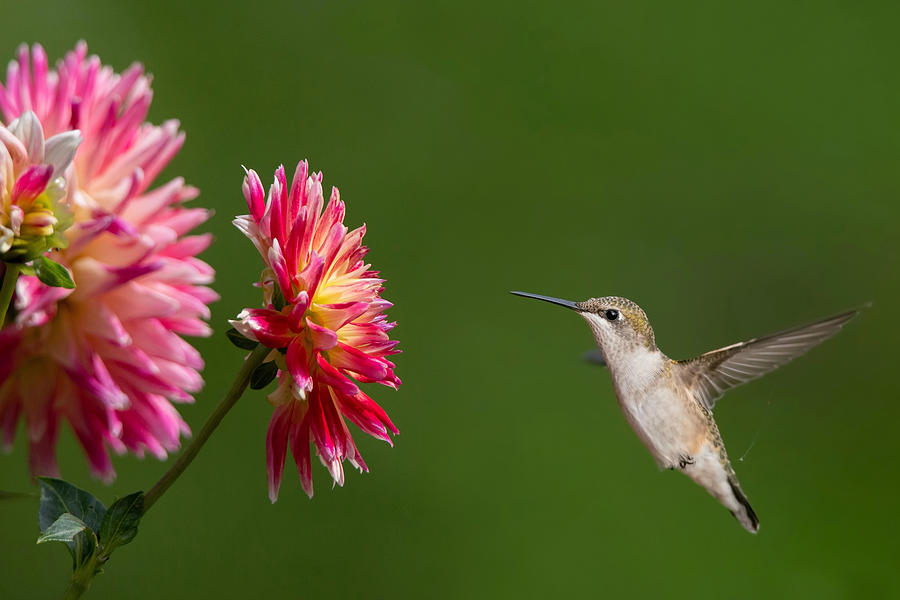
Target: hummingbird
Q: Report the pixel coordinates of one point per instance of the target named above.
(669, 403)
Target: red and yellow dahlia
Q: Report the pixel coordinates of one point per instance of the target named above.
(324, 319)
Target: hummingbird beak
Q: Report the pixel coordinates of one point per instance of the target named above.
(550, 299)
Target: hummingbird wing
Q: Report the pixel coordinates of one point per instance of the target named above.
(710, 375)
(595, 356)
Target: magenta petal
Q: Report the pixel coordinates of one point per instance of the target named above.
(335, 379)
(31, 183)
(318, 423)
(351, 359)
(276, 259)
(298, 186)
(298, 310)
(298, 364)
(254, 194)
(266, 326)
(276, 447)
(300, 450)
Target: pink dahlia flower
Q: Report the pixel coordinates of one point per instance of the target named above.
(107, 356)
(324, 318)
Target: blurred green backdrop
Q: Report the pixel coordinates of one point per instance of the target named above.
(733, 169)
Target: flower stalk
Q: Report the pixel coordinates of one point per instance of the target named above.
(253, 360)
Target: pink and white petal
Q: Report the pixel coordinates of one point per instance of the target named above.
(266, 326)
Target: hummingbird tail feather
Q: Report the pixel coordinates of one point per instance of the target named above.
(746, 517)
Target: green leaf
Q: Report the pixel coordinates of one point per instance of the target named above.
(238, 339)
(52, 273)
(58, 497)
(263, 375)
(64, 529)
(120, 524)
(85, 546)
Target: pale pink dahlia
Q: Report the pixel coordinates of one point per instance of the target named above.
(106, 356)
(325, 319)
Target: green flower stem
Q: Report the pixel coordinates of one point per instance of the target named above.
(253, 360)
(81, 579)
(9, 286)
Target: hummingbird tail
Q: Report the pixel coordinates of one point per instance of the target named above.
(745, 514)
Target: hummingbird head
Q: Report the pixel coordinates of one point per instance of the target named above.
(616, 322)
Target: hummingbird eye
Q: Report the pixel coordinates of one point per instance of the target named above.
(612, 314)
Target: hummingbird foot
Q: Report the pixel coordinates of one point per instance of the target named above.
(685, 460)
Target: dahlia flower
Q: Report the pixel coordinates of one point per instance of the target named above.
(33, 188)
(323, 318)
(107, 356)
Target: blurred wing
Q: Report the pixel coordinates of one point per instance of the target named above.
(594, 356)
(710, 375)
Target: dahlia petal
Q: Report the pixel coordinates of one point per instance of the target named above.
(179, 375)
(31, 183)
(186, 219)
(335, 378)
(349, 358)
(322, 435)
(158, 340)
(266, 326)
(14, 151)
(298, 364)
(102, 322)
(294, 242)
(300, 450)
(296, 198)
(276, 447)
(42, 453)
(276, 260)
(61, 150)
(136, 301)
(188, 247)
(39, 78)
(187, 326)
(322, 337)
(28, 129)
(366, 414)
(332, 243)
(311, 275)
(333, 215)
(254, 194)
(335, 316)
(95, 278)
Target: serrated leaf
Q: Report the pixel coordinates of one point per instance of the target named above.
(120, 524)
(64, 529)
(238, 339)
(52, 273)
(263, 375)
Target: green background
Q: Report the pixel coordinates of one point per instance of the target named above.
(732, 168)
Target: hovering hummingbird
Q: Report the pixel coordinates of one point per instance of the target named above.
(669, 402)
